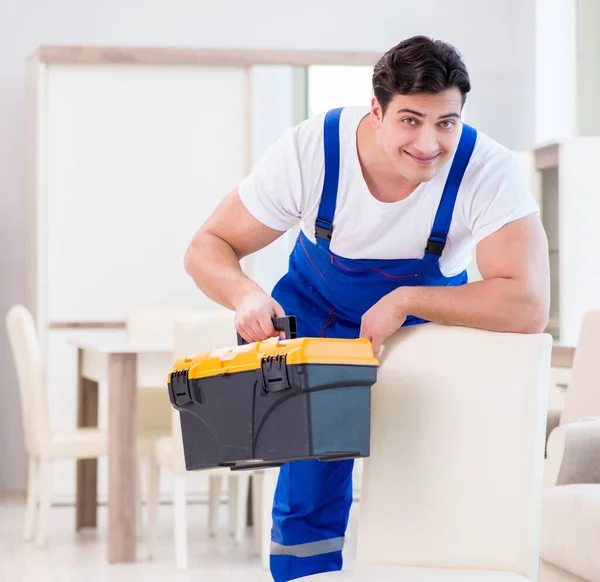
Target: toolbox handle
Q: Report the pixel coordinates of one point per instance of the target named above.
(285, 324)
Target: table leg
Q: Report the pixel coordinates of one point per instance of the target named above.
(86, 500)
(249, 516)
(122, 378)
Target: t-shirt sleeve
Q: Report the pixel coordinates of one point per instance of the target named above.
(273, 191)
(503, 194)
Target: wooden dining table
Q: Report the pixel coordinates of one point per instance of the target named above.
(124, 366)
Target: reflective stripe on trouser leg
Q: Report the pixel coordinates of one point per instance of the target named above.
(310, 515)
(309, 549)
(285, 568)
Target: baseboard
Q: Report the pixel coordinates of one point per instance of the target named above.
(199, 498)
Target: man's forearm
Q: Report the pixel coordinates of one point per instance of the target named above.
(504, 305)
(216, 270)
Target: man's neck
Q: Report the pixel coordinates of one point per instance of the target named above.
(382, 179)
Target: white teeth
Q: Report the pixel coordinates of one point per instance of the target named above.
(421, 159)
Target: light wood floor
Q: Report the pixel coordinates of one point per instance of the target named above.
(71, 557)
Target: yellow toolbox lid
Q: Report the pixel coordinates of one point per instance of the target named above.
(357, 352)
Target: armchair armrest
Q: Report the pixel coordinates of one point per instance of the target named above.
(573, 453)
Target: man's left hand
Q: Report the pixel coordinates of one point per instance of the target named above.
(381, 321)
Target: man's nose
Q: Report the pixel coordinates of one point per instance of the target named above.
(426, 143)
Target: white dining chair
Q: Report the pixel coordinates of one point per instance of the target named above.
(42, 444)
(195, 334)
(151, 325)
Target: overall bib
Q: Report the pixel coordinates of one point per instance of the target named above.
(329, 294)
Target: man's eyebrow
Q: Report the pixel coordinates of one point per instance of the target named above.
(411, 111)
(420, 114)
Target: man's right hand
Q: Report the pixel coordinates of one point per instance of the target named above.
(254, 315)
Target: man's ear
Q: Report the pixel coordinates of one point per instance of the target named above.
(376, 112)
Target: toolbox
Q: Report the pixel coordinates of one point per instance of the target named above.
(268, 403)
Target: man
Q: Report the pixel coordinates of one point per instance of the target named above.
(392, 201)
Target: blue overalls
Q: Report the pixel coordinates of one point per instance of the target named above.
(329, 294)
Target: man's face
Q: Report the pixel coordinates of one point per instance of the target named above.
(419, 133)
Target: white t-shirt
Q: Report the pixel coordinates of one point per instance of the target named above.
(285, 189)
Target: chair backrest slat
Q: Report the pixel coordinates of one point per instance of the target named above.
(27, 357)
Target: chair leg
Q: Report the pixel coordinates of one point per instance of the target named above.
(269, 484)
(257, 485)
(32, 499)
(45, 497)
(232, 484)
(214, 492)
(241, 494)
(179, 502)
(153, 494)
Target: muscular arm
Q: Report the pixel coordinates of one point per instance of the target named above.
(213, 257)
(514, 295)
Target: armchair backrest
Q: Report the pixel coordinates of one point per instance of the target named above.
(455, 473)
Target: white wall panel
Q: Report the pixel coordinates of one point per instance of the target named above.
(137, 159)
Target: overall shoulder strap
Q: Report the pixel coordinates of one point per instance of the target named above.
(331, 144)
(443, 217)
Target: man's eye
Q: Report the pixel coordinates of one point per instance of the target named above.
(410, 121)
(447, 124)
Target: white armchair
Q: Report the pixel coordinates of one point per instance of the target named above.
(570, 535)
(571, 498)
(582, 398)
(452, 489)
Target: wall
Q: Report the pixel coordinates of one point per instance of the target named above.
(555, 70)
(496, 40)
(588, 69)
(271, 118)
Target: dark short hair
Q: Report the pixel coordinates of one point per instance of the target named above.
(419, 65)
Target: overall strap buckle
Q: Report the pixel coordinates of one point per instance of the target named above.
(435, 244)
(323, 229)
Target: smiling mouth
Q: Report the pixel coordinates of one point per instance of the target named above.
(422, 160)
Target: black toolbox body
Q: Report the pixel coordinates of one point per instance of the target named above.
(298, 402)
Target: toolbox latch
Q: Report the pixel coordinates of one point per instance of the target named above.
(274, 373)
(179, 388)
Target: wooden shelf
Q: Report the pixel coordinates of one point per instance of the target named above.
(562, 357)
(91, 55)
(546, 156)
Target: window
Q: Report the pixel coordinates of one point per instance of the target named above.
(337, 86)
